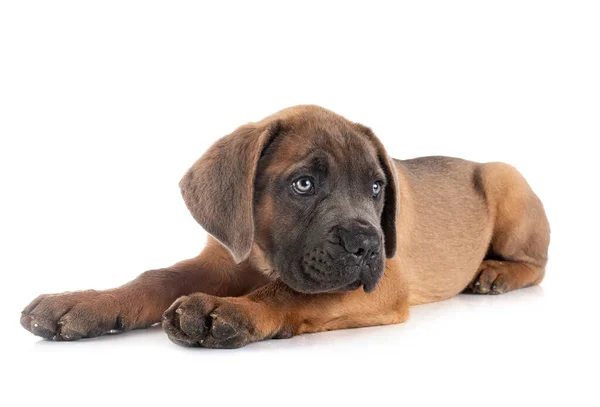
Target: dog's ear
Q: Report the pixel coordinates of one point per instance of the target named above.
(390, 208)
(219, 188)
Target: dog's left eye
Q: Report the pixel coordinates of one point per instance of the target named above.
(376, 189)
(304, 186)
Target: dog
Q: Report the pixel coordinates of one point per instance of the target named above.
(313, 227)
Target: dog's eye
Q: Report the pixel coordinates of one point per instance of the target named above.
(303, 186)
(376, 189)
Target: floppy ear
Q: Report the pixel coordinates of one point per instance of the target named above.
(219, 188)
(390, 208)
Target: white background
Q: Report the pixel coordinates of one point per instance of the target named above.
(104, 106)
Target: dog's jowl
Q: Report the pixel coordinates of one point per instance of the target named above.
(314, 227)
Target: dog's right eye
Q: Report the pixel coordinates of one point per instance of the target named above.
(304, 186)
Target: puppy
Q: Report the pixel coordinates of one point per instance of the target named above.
(314, 227)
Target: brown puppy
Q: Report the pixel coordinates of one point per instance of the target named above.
(304, 208)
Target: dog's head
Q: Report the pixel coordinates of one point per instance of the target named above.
(313, 191)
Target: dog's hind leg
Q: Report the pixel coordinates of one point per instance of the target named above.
(518, 249)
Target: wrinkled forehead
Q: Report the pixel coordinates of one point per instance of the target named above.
(323, 147)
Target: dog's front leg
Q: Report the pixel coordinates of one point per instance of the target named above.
(141, 302)
(276, 311)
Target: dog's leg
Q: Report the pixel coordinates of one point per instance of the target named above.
(141, 302)
(275, 311)
(519, 248)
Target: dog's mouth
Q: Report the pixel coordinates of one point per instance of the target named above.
(309, 286)
(319, 273)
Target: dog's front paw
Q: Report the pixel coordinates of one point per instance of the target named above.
(210, 322)
(72, 315)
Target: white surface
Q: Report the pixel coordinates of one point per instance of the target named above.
(103, 107)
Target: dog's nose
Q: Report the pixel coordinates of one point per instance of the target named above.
(362, 241)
